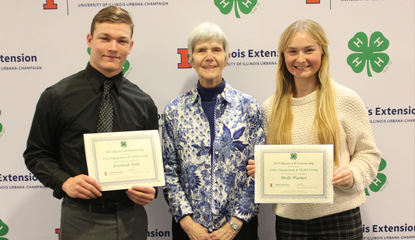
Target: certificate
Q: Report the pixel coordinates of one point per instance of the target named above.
(293, 173)
(119, 160)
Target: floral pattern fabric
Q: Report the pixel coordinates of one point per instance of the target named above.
(211, 185)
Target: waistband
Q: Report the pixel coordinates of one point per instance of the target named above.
(108, 208)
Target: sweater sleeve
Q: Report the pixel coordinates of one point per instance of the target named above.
(266, 109)
(364, 155)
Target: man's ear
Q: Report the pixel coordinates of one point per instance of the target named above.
(131, 46)
(89, 39)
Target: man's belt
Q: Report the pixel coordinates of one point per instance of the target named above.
(108, 208)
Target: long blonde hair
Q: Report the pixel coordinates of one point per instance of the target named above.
(281, 120)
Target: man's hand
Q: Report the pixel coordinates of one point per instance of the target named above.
(141, 195)
(251, 168)
(226, 232)
(194, 230)
(82, 186)
(343, 177)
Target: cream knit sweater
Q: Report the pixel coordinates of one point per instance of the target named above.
(358, 150)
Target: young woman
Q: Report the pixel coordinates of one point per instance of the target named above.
(308, 107)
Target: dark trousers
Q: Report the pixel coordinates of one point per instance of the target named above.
(346, 225)
(77, 223)
(249, 231)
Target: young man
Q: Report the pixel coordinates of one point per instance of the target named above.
(75, 105)
(209, 133)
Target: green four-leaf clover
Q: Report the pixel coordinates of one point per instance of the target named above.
(4, 229)
(368, 52)
(245, 6)
(1, 126)
(293, 156)
(380, 179)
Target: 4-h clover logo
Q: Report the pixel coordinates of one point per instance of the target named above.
(245, 6)
(379, 181)
(123, 144)
(293, 156)
(1, 126)
(368, 52)
(125, 67)
(4, 229)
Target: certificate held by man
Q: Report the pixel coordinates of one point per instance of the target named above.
(119, 160)
(294, 174)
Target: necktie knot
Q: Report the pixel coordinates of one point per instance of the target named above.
(107, 87)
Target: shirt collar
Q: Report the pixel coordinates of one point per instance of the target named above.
(97, 79)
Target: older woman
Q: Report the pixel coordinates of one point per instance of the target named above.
(209, 133)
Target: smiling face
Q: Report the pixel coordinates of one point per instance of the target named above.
(209, 59)
(303, 58)
(110, 45)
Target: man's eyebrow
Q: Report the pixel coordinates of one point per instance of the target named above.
(109, 35)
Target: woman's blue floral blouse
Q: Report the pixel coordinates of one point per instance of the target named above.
(211, 185)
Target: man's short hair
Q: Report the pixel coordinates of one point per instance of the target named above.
(112, 14)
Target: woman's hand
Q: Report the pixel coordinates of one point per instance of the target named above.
(250, 168)
(343, 177)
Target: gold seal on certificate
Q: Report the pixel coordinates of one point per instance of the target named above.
(119, 160)
(293, 173)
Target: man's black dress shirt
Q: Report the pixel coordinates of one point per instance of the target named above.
(70, 108)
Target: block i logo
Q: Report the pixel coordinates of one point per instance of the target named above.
(50, 4)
